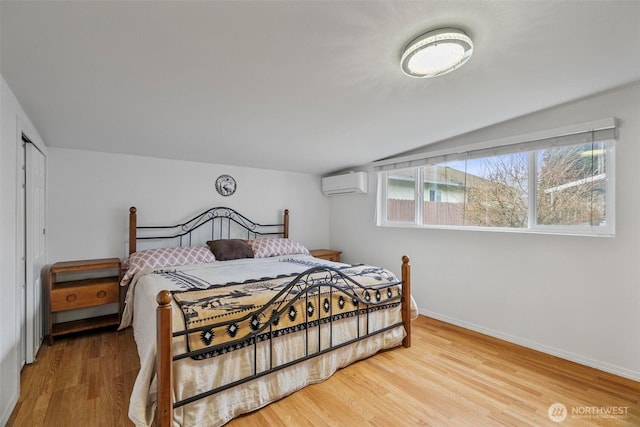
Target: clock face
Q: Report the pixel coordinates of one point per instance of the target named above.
(226, 185)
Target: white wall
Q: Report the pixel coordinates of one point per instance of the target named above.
(90, 194)
(13, 121)
(575, 297)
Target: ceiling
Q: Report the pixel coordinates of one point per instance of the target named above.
(309, 86)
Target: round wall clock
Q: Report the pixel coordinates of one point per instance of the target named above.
(225, 185)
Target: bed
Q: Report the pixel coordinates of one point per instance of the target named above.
(236, 329)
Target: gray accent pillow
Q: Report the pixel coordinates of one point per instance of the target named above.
(228, 249)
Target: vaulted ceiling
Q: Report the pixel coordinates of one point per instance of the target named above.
(310, 86)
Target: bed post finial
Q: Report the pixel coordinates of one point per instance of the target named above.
(163, 298)
(406, 300)
(132, 229)
(285, 233)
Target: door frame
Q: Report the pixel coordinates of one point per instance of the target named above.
(29, 344)
(21, 266)
(35, 246)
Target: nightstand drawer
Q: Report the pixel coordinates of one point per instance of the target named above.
(332, 257)
(85, 293)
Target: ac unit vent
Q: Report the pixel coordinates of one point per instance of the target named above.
(349, 183)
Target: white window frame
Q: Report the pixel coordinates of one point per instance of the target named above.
(607, 230)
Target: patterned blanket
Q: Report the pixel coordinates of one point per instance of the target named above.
(223, 317)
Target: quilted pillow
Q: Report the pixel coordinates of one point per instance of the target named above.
(228, 249)
(165, 257)
(274, 246)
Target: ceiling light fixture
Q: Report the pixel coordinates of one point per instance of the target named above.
(436, 53)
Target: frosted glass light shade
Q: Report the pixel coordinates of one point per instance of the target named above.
(436, 53)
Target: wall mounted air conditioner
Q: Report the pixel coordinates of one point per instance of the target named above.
(349, 183)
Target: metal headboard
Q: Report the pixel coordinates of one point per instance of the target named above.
(212, 224)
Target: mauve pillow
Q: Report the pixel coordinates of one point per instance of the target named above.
(165, 257)
(228, 249)
(275, 246)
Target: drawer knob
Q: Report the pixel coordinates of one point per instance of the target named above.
(101, 294)
(71, 297)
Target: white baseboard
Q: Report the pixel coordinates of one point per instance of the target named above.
(597, 364)
(6, 411)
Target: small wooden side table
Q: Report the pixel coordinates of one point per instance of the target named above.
(83, 292)
(328, 254)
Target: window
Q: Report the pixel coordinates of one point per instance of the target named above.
(497, 194)
(571, 185)
(550, 186)
(448, 183)
(435, 196)
(401, 204)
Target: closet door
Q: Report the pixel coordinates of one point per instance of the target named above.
(35, 248)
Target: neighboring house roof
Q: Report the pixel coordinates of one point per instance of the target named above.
(444, 176)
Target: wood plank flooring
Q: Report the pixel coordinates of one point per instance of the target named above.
(82, 380)
(449, 377)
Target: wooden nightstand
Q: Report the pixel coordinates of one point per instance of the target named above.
(84, 291)
(328, 254)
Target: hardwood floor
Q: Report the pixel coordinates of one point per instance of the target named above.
(450, 377)
(82, 380)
